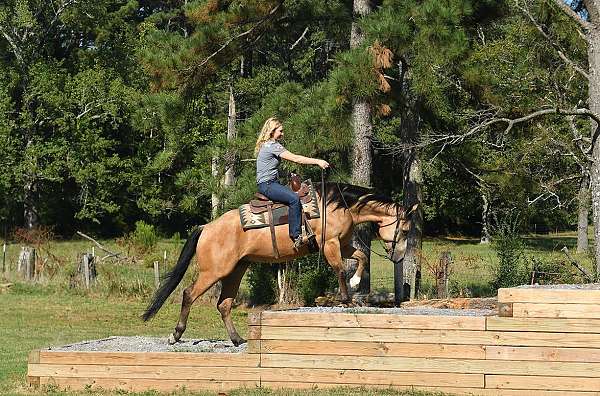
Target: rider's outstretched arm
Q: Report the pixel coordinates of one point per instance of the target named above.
(300, 159)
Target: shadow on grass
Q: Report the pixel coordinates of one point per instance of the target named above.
(454, 240)
(549, 243)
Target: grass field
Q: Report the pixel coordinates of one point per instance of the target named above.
(51, 312)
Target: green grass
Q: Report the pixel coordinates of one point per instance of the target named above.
(50, 312)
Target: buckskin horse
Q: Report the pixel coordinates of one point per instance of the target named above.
(224, 250)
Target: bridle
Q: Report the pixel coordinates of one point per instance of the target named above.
(396, 231)
(394, 240)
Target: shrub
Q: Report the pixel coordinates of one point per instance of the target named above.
(552, 271)
(314, 279)
(509, 248)
(262, 284)
(144, 237)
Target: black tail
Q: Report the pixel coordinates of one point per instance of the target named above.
(173, 278)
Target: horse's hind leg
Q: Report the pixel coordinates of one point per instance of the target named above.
(204, 281)
(229, 288)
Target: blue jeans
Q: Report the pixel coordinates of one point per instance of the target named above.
(276, 192)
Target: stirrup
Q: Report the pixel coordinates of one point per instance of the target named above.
(299, 242)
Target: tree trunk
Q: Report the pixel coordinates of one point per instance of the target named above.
(594, 104)
(413, 194)
(485, 217)
(215, 201)
(231, 135)
(30, 214)
(583, 213)
(362, 160)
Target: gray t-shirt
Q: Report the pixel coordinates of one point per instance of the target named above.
(267, 161)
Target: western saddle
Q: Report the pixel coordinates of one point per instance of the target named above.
(262, 204)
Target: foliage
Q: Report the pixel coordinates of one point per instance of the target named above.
(112, 111)
(314, 279)
(509, 247)
(144, 236)
(262, 284)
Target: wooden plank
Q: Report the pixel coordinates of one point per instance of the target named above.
(151, 372)
(543, 383)
(140, 385)
(554, 296)
(151, 358)
(549, 354)
(34, 356)
(451, 390)
(532, 310)
(253, 346)
(375, 377)
(350, 348)
(378, 321)
(505, 309)
(442, 365)
(33, 381)
(254, 319)
(496, 323)
(458, 337)
(254, 332)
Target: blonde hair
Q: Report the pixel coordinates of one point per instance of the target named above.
(266, 132)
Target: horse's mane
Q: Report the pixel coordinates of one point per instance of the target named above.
(344, 195)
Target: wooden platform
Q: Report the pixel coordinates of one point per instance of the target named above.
(549, 345)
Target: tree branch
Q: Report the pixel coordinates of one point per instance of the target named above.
(14, 47)
(247, 32)
(111, 254)
(567, 10)
(299, 39)
(553, 43)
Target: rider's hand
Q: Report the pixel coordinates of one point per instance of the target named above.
(323, 164)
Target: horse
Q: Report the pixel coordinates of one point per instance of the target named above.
(224, 250)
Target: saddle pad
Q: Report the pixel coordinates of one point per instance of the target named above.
(251, 220)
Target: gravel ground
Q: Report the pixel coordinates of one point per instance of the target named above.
(587, 286)
(400, 311)
(151, 344)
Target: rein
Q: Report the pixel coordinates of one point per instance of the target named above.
(396, 230)
(323, 217)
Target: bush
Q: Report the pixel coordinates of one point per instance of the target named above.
(144, 237)
(509, 248)
(262, 284)
(314, 279)
(548, 271)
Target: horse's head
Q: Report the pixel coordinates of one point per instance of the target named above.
(393, 230)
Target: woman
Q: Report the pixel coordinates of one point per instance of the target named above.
(269, 152)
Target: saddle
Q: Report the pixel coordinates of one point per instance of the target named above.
(261, 203)
(262, 212)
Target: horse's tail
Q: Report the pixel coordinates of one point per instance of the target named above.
(173, 278)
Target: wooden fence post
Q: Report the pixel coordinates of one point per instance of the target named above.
(156, 275)
(398, 282)
(26, 263)
(4, 258)
(87, 269)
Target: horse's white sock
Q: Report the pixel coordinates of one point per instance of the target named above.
(354, 281)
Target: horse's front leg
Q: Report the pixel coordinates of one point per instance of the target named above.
(350, 252)
(333, 255)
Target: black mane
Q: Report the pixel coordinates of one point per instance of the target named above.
(344, 195)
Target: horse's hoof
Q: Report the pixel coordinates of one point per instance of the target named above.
(172, 340)
(238, 341)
